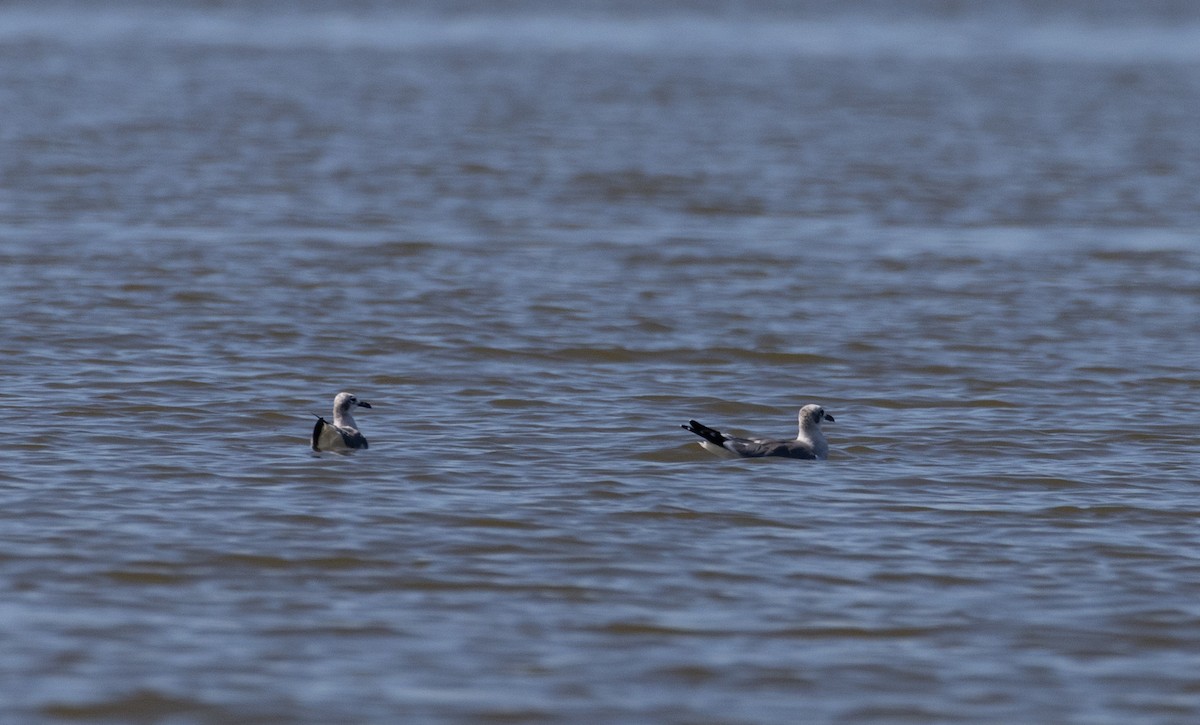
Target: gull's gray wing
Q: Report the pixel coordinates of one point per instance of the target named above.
(765, 448)
(750, 447)
(352, 438)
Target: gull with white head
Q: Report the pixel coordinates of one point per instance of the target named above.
(809, 443)
(340, 436)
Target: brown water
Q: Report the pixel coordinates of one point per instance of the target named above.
(537, 243)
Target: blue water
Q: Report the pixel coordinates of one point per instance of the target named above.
(538, 241)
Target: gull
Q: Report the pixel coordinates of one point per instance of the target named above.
(809, 443)
(340, 436)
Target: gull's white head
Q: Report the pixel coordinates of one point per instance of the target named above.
(811, 417)
(343, 404)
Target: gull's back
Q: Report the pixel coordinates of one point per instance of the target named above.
(329, 437)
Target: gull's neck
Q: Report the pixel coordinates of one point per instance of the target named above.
(344, 420)
(811, 434)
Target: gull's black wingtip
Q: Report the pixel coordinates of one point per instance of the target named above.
(316, 434)
(711, 435)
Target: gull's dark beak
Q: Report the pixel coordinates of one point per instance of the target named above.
(364, 404)
(828, 417)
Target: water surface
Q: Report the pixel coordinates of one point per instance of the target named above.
(539, 241)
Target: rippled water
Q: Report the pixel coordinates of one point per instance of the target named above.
(537, 243)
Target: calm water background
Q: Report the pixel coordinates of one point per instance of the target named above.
(538, 240)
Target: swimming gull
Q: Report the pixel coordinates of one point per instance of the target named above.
(809, 443)
(340, 436)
